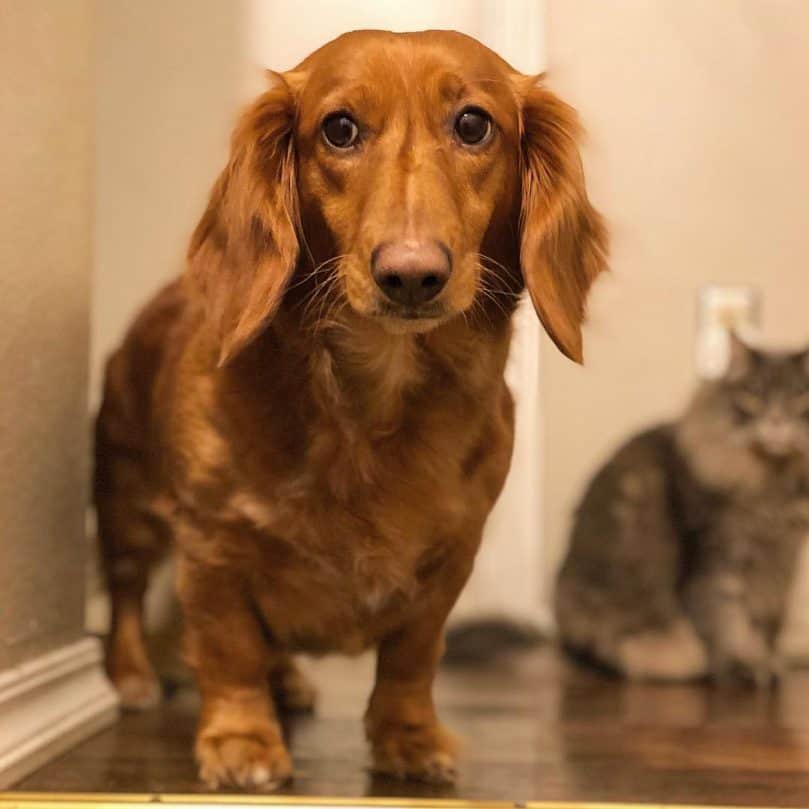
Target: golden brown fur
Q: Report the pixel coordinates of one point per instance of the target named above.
(322, 461)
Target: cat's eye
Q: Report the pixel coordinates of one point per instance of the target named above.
(748, 405)
(340, 130)
(473, 126)
(800, 405)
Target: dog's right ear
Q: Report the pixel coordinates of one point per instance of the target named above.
(245, 247)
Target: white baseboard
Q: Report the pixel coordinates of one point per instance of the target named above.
(50, 704)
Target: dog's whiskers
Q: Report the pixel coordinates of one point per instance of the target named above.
(487, 292)
(329, 296)
(485, 261)
(324, 267)
(323, 289)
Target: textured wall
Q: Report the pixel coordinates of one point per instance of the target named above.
(45, 257)
(698, 129)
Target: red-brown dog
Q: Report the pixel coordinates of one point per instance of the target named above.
(315, 413)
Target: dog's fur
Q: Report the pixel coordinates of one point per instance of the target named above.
(324, 464)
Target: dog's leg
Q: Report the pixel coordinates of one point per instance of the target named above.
(131, 543)
(127, 658)
(407, 740)
(239, 740)
(291, 689)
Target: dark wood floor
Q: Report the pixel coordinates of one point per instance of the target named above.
(539, 728)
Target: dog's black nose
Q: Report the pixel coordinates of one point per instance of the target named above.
(410, 272)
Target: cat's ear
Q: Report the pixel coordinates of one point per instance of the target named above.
(740, 357)
(803, 359)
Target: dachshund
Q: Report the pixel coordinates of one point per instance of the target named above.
(314, 416)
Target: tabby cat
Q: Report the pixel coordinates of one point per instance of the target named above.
(684, 547)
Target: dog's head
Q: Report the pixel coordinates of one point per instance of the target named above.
(410, 173)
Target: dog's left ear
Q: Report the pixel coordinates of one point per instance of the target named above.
(563, 240)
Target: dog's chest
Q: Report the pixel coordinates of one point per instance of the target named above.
(361, 520)
(331, 581)
(353, 543)
(353, 523)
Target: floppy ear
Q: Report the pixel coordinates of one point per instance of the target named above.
(245, 248)
(563, 240)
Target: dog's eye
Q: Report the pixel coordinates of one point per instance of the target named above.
(473, 126)
(340, 131)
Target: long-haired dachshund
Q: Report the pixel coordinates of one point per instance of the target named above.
(315, 414)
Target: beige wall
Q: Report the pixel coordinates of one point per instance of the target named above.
(45, 258)
(171, 76)
(698, 114)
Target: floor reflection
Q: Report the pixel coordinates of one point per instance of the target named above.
(534, 727)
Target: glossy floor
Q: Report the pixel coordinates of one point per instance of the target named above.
(537, 728)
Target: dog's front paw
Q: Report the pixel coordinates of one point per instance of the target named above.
(423, 753)
(249, 762)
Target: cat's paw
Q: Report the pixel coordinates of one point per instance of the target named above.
(672, 654)
(751, 662)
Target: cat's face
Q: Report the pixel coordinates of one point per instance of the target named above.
(766, 397)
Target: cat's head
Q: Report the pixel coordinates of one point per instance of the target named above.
(741, 429)
(766, 398)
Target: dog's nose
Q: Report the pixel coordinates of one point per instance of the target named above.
(410, 272)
